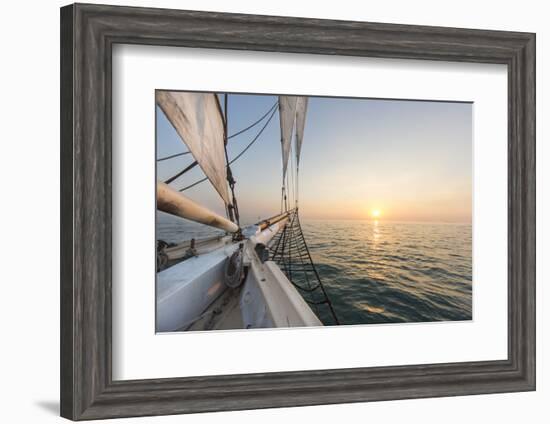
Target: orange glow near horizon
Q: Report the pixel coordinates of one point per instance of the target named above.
(363, 159)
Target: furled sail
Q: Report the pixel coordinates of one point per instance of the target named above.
(198, 120)
(287, 115)
(301, 110)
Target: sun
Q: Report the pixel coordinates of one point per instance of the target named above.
(376, 213)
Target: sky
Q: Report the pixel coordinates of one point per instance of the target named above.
(394, 160)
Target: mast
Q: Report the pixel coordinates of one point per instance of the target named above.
(228, 207)
(232, 208)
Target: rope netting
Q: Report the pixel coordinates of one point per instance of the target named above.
(291, 253)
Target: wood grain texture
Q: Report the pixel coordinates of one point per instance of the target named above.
(66, 209)
(88, 33)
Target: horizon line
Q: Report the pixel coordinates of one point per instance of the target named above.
(389, 220)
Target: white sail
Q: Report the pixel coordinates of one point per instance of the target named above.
(198, 120)
(287, 116)
(301, 111)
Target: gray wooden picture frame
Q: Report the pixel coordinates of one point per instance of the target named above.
(88, 33)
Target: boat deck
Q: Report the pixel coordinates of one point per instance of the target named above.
(223, 314)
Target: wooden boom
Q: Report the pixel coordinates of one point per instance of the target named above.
(175, 203)
(274, 219)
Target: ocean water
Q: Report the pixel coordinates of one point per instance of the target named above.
(378, 272)
(381, 272)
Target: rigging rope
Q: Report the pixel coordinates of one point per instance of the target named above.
(240, 154)
(254, 139)
(183, 171)
(291, 253)
(292, 178)
(255, 123)
(173, 156)
(231, 136)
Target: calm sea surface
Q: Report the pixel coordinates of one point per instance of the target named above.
(379, 272)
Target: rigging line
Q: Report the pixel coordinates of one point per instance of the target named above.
(296, 188)
(255, 123)
(183, 171)
(292, 178)
(255, 138)
(283, 257)
(303, 264)
(329, 303)
(240, 154)
(283, 196)
(287, 193)
(298, 246)
(229, 137)
(173, 156)
(288, 178)
(290, 183)
(297, 185)
(278, 240)
(295, 175)
(295, 169)
(290, 251)
(309, 289)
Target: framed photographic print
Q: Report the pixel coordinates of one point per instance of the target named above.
(268, 211)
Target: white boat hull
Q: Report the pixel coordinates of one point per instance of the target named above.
(186, 289)
(267, 298)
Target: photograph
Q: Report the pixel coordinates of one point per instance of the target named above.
(286, 210)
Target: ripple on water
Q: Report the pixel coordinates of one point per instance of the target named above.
(385, 273)
(394, 272)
